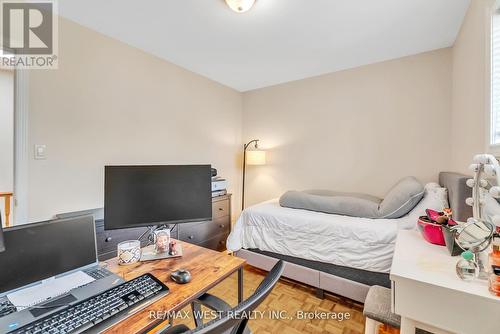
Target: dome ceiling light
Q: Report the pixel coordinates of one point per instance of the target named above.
(240, 6)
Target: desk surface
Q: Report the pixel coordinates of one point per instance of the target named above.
(207, 268)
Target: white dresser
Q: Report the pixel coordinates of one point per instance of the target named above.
(428, 294)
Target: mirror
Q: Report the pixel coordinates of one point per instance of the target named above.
(475, 235)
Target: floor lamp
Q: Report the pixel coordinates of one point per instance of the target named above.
(251, 157)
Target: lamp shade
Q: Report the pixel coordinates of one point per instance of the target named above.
(256, 157)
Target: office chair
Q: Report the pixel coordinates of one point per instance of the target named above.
(227, 323)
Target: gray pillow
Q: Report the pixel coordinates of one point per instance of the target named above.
(403, 197)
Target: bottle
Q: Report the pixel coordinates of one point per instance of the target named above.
(467, 268)
(494, 262)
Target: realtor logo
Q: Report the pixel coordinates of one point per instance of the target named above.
(28, 34)
(27, 27)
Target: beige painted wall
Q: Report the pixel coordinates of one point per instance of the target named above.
(109, 103)
(356, 130)
(469, 93)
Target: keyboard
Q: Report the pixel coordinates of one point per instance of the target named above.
(94, 311)
(6, 307)
(98, 273)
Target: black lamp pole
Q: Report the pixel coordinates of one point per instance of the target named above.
(245, 147)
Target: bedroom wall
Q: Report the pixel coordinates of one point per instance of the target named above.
(356, 130)
(109, 103)
(469, 93)
(332, 131)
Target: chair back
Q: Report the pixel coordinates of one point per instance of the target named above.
(234, 320)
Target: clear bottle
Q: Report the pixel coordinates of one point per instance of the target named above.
(467, 268)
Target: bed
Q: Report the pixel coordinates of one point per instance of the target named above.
(340, 254)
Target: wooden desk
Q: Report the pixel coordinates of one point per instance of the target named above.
(207, 268)
(428, 294)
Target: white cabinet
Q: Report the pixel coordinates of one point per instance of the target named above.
(428, 294)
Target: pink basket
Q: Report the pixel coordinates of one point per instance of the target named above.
(431, 232)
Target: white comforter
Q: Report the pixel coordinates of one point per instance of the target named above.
(360, 243)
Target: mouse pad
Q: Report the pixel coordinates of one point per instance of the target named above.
(149, 253)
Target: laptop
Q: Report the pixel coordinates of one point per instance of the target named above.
(46, 267)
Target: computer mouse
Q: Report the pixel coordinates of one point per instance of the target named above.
(181, 276)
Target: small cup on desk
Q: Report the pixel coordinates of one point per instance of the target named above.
(129, 252)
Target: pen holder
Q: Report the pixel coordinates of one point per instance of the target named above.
(129, 252)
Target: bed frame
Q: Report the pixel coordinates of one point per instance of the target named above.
(349, 282)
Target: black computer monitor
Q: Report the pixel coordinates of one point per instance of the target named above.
(155, 195)
(34, 252)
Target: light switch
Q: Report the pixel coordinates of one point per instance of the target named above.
(40, 152)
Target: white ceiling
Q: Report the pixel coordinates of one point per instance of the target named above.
(276, 41)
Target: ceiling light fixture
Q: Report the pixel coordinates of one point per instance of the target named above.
(240, 6)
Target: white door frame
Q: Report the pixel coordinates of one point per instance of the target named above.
(21, 146)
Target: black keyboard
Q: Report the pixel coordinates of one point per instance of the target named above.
(93, 311)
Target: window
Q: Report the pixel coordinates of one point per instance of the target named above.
(494, 139)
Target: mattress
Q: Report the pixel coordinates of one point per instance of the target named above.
(361, 243)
